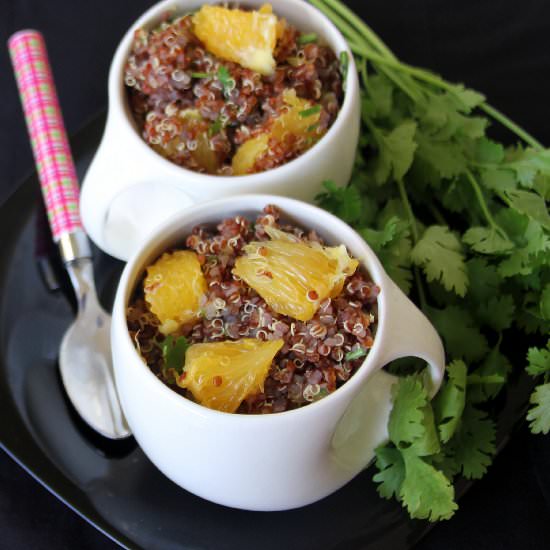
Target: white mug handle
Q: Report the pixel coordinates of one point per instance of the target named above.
(125, 195)
(407, 333)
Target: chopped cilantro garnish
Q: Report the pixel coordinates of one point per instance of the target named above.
(307, 38)
(310, 112)
(215, 127)
(173, 354)
(312, 127)
(226, 81)
(355, 354)
(323, 392)
(344, 65)
(201, 75)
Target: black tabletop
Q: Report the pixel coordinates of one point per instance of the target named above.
(499, 48)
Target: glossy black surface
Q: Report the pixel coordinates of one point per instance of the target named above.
(112, 484)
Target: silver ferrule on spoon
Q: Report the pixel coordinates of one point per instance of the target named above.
(85, 354)
(74, 246)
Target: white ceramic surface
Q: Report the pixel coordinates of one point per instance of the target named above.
(283, 460)
(129, 189)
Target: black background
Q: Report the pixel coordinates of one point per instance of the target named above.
(500, 48)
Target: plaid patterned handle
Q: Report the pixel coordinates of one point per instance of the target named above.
(47, 132)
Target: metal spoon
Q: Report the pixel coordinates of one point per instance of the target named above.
(85, 354)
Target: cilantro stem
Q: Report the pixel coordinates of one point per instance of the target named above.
(364, 72)
(352, 35)
(395, 78)
(438, 216)
(482, 202)
(358, 44)
(408, 209)
(420, 289)
(511, 125)
(307, 38)
(414, 231)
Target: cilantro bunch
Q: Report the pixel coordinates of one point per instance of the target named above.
(461, 223)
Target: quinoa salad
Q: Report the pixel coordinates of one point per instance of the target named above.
(198, 109)
(314, 358)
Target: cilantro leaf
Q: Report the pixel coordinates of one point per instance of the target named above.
(532, 252)
(344, 202)
(484, 279)
(428, 444)
(392, 245)
(530, 204)
(497, 312)
(545, 302)
(473, 444)
(542, 186)
(527, 162)
(461, 334)
(531, 322)
(518, 263)
(378, 239)
(446, 158)
(488, 379)
(391, 474)
(439, 253)
(487, 240)
(173, 353)
(467, 98)
(456, 196)
(450, 400)
(425, 491)
(409, 399)
(538, 360)
(498, 179)
(228, 83)
(396, 152)
(487, 151)
(539, 413)
(379, 102)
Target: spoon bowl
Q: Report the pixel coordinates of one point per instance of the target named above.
(85, 359)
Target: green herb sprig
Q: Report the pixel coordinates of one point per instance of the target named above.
(461, 223)
(308, 38)
(310, 112)
(173, 355)
(227, 82)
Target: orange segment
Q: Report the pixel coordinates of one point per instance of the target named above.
(221, 374)
(247, 154)
(170, 141)
(173, 288)
(299, 119)
(293, 276)
(244, 37)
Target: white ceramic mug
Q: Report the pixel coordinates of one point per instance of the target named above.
(282, 460)
(129, 188)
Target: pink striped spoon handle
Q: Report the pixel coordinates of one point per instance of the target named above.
(50, 146)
